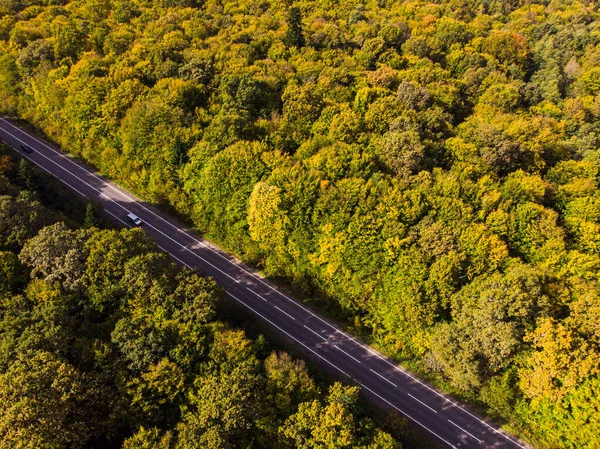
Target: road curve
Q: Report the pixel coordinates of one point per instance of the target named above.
(446, 421)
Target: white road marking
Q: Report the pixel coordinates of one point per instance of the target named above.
(433, 390)
(384, 378)
(341, 370)
(283, 311)
(256, 312)
(470, 434)
(127, 210)
(340, 349)
(288, 334)
(130, 197)
(104, 210)
(408, 416)
(260, 296)
(316, 333)
(166, 251)
(124, 222)
(138, 203)
(175, 257)
(421, 402)
(254, 275)
(50, 173)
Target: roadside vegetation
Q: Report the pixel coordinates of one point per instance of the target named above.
(429, 171)
(106, 343)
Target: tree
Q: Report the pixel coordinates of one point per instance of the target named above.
(57, 254)
(402, 152)
(329, 426)
(26, 176)
(412, 96)
(491, 317)
(198, 70)
(69, 37)
(562, 360)
(149, 438)
(266, 221)
(35, 54)
(109, 250)
(20, 219)
(9, 82)
(157, 394)
(288, 382)
(226, 398)
(142, 341)
(302, 106)
(91, 219)
(294, 36)
(148, 279)
(226, 178)
(509, 48)
(12, 274)
(195, 298)
(45, 402)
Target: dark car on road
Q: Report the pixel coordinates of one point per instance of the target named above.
(26, 148)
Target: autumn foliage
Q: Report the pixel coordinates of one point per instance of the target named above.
(428, 171)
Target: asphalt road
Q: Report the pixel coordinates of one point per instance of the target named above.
(446, 421)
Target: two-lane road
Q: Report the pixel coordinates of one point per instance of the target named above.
(446, 421)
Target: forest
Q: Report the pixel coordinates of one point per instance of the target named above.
(427, 171)
(105, 343)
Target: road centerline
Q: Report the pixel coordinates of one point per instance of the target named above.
(422, 403)
(465, 431)
(284, 312)
(256, 294)
(349, 355)
(384, 378)
(122, 199)
(316, 333)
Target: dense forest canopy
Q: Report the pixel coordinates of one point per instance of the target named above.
(430, 170)
(105, 343)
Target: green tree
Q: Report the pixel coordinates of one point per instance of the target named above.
(330, 425)
(288, 382)
(491, 317)
(46, 402)
(294, 36)
(57, 254)
(9, 83)
(20, 219)
(149, 438)
(12, 274)
(91, 219)
(26, 176)
(109, 250)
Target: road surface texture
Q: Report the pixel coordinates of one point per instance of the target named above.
(446, 421)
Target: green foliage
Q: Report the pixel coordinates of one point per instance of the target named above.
(102, 338)
(20, 218)
(400, 162)
(331, 425)
(57, 254)
(40, 388)
(91, 219)
(288, 383)
(294, 36)
(491, 316)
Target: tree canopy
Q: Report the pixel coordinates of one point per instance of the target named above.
(426, 170)
(105, 342)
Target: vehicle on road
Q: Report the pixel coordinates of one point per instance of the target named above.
(134, 219)
(26, 148)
